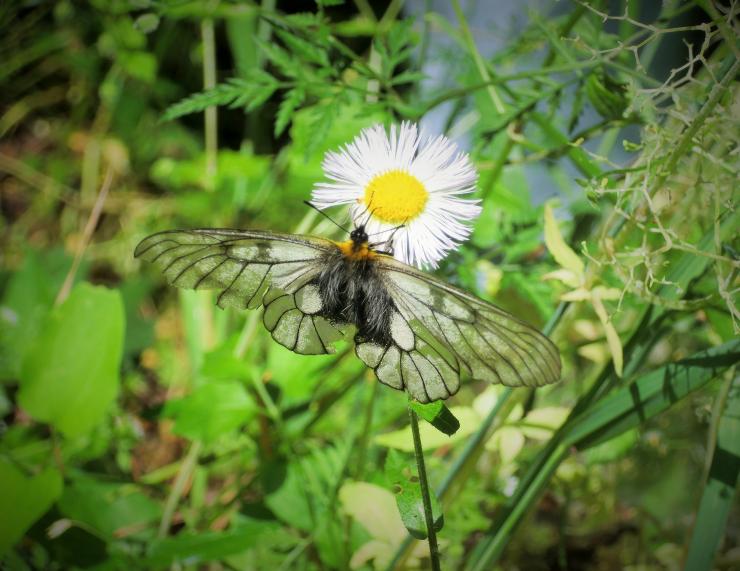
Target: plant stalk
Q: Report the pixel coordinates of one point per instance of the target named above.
(211, 113)
(425, 495)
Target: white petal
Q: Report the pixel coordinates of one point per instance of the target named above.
(446, 174)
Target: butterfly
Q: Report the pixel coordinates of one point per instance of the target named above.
(416, 332)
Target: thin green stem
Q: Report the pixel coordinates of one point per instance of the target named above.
(211, 113)
(365, 10)
(473, 447)
(365, 431)
(477, 58)
(186, 471)
(425, 495)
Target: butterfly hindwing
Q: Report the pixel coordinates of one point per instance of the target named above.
(251, 268)
(468, 334)
(410, 363)
(293, 321)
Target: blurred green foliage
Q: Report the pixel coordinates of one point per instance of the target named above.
(143, 428)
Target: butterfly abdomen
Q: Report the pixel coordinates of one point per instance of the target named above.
(353, 292)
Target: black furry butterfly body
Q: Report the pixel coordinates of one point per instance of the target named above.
(416, 332)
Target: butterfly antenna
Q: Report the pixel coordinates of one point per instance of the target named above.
(325, 215)
(394, 230)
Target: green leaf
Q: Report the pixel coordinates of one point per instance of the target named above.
(195, 548)
(438, 415)
(607, 95)
(71, 374)
(211, 410)
(613, 449)
(286, 63)
(717, 499)
(301, 47)
(28, 297)
(580, 159)
(322, 119)
(374, 508)
(431, 436)
(222, 364)
(408, 77)
(235, 92)
(140, 65)
(288, 105)
(651, 394)
(111, 509)
(23, 500)
(402, 478)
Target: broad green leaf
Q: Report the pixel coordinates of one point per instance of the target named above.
(401, 475)
(718, 497)
(290, 502)
(111, 509)
(27, 299)
(375, 509)
(195, 548)
(70, 375)
(221, 364)
(438, 415)
(562, 253)
(23, 500)
(211, 410)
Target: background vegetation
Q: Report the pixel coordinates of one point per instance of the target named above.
(142, 428)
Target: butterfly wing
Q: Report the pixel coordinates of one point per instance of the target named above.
(440, 331)
(250, 268)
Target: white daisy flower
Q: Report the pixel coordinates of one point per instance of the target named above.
(403, 179)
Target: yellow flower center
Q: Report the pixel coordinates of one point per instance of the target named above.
(395, 197)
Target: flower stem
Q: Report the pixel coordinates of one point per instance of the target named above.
(425, 496)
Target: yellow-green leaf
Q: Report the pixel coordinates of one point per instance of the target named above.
(564, 275)
(580, 294)
(612, 337)
(562, 253)
(430, 436)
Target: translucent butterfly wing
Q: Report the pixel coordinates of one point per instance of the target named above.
(454, 332)
(250, 268)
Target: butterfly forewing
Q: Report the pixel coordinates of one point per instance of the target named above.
(249, 268)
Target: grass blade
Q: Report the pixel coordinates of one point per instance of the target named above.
(719, 491)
